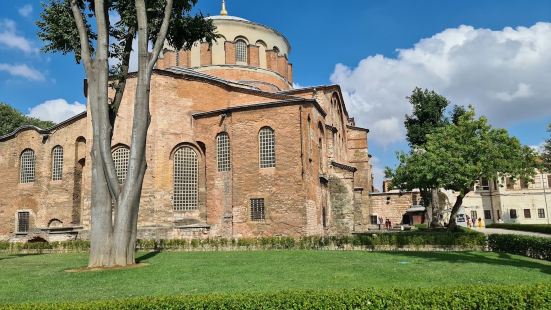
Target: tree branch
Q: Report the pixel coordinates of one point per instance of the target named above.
(161, 36)
(83, 35)
(125, 66)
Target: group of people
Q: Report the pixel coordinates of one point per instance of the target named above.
(387, 222)
(472, 222)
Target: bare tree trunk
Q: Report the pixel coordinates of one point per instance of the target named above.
(101, 230)
(458, 202)
(435, 202)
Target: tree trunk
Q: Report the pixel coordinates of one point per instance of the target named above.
(458, 202)
(435, 202)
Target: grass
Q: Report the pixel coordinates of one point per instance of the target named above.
(41, 278)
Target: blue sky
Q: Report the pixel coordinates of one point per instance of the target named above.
(355, 44)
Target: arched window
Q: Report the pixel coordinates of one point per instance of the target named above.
(57, 163)
(27, 166)
(241, 51)
(120, 156)
(185, 179)
(223, 152)
(266, 143)
(276, 49)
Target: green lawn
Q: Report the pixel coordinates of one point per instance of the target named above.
(41, 278)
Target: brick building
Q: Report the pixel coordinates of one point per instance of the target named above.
(233, 150)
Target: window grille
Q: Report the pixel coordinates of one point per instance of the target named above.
(527, 213)
(57, 163)
(241, 51)
(487, 214)
(513, 213)
(185, 179)
(541, 213)
(23, 222)
(258, 213)
(120, 158)
(267, 147)
(223, 152)
(27, 166)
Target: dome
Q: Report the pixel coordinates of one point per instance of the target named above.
(227, 17)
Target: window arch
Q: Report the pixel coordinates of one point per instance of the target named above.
(121, 155)
(27, 166)
(266, 143)
(223, 152)
(276, 49)
(241, 51)
(185, 179)
(57, 163)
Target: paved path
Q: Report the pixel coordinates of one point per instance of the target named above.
(501, 231)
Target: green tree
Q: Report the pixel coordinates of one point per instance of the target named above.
(456, 156)
(11, 119)
(546, 152)
(66, 27)
(427, 115)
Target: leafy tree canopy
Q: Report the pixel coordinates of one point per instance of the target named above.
(11, 119)
(458, 155)
(427, 115)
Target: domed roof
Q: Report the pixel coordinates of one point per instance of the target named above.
(227, 17)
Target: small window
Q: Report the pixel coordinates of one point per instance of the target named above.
(223, 152)
(27, 166)
(241, 51)
(57, 163)
(549, 181)
(523, 183)
(474, 214)
(266, 140)
(258, 213)
(120, 158)
(510, 183)
(541, 213)
(487, 214)
(527, 214)
(23, 222)
(513, 213)
(373, 219)
(484, 184)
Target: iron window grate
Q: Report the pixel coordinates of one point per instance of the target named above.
(267, 147)
(27, 166)
(121, 156)
(57, 163)
(223, 152)
(23, 222)
(185, 179)
(258, 212)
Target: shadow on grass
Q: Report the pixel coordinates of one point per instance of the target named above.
(503, 259)
(147, 256)
(12, 256)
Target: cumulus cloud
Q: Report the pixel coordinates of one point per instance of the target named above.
(56, 110)
(25, 10)
(504, 74)
(22, 71)
(10, 38)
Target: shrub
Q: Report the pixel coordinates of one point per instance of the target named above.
(467, 297)
(535, 247)
(540, 228)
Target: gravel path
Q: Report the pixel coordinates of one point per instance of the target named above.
(501, 231)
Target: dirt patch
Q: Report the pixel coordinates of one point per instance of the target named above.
(88, 269)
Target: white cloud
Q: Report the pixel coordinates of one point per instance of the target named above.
(22, 71)
(25, 10)
(10, 38)
(56, 110)
(505, 74)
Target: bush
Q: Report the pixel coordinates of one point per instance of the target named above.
(535, 247)
(421, 226)
(540, 228)
(468, 297)
(468, 240)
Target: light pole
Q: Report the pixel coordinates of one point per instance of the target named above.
(545, 196)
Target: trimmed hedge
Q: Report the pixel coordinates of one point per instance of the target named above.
(457, 240)
(467, 297)
(539, 228)
(535, 247)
